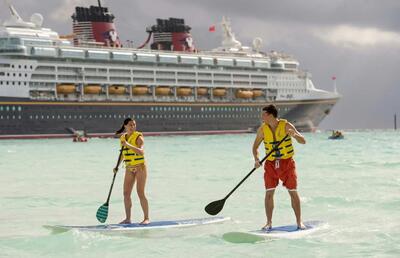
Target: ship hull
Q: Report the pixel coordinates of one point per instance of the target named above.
(21, 118)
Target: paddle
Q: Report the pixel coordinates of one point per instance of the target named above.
(102, 211)
(213, 208)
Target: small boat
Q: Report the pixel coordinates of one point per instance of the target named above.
(336, 135)
(92, 89)
(80, 139)
(219, 92)
(244, 94)
(257, 93)
(140, 90)
(117, 89)
(163, 91)
(202, 91)
(65, 88)
(184, 91)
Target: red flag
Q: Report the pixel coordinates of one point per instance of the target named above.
(333, 77)
(211, 28)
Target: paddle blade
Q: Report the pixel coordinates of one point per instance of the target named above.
(213, 208)
(102, 213)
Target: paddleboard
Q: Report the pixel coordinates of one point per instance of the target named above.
(154, 225)
(287, 231)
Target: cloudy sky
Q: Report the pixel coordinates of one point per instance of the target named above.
(358, 41)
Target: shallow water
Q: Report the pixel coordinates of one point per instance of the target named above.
(352, 184)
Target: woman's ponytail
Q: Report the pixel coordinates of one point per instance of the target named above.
(126, 121)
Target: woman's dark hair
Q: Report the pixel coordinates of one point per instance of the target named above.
(126, 121)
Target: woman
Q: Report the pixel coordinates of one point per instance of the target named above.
(133, 155)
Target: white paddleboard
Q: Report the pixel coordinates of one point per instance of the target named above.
(287, 231)
(136, 226)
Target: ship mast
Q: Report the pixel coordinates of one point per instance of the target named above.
(229, 40)
(16, 19)
(14, 12)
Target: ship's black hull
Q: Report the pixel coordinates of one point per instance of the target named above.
(21, 118)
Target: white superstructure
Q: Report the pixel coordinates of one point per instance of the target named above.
(34, 60)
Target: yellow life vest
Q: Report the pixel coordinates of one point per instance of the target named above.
(131, 158)
(285, 150)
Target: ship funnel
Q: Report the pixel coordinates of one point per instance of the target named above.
(172, 34)
(94, 25)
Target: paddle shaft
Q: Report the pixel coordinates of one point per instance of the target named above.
(116, 167)
(261, 161)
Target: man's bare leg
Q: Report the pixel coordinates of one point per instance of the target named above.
(295, 199)
(269, 208)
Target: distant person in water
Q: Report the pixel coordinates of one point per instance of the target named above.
(280, 164)
(133, 156)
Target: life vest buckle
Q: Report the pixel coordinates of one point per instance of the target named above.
(276, 163)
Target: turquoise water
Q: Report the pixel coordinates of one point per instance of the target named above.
(352, 184)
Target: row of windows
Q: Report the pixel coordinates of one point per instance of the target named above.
(207, 109)
(140, 116)
(15, 66)
(150, 72)
(10, 117)
(292, 90)
(12, 83)
(229, 109)
(203, 109)
(10, 108)
(188, 109)
(14, 74)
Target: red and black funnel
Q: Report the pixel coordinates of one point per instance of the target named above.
(171, 34)
(94, 25)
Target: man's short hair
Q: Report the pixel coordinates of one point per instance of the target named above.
(271, 109)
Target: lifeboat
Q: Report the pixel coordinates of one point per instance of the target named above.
(257, 93)
(219, 92)
(244, 94)
(140, 90)
(66, 88)
(184, 91)
(163, 90)
(202, 91)
(92, 89)
(117, 89)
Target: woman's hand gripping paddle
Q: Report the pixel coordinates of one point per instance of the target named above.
(102, 211)
(213, 208)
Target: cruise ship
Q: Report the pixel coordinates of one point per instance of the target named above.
(53, 86)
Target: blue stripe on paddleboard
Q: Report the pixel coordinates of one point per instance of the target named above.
(288, 228)
(137, 226)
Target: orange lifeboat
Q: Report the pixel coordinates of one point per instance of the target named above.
(163, 90)
(92, 89)
(140, 90)
(202, 91)
(244, 94)
(184, 91)
(117, 89)
(257, 93)
(219, 92)
(65, 88)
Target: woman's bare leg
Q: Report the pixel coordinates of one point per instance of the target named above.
(141, 176)
(129, 182)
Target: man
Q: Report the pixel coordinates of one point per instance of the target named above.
(280, 164)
